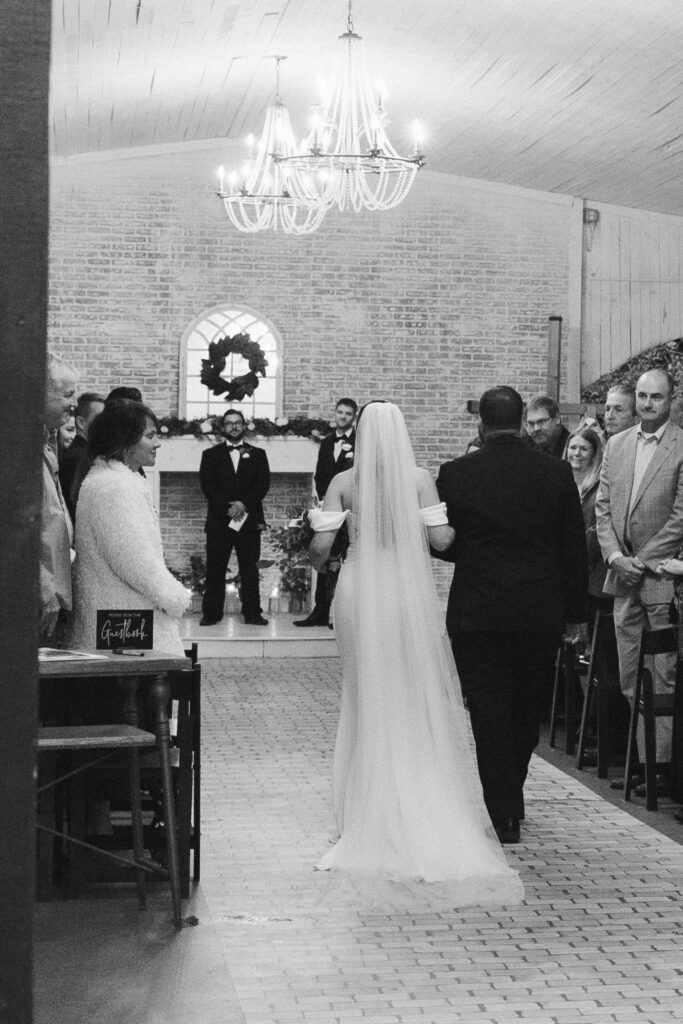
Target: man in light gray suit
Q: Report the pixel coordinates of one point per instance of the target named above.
(639, 512)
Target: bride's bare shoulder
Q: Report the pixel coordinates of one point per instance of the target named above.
(340, 490)
(426, 488)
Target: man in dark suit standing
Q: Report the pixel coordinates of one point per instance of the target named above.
(520, 582)
(235, 478)
(335, 455)
(74, 463)
(544, 425)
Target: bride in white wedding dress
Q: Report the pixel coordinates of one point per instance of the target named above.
(406, 791)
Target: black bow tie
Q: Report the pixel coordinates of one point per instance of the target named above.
(341, 437)
(235, 447)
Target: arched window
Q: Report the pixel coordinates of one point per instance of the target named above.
(196, 401)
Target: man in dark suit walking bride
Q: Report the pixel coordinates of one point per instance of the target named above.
(520, 582)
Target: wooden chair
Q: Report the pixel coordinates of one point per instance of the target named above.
(597, 687)
(568, 667)
(185, 687)
(650, 706)
(76, 739)
(186, 690)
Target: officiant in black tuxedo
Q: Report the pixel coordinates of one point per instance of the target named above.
(334, 456)
(235, 478)
(519, 584)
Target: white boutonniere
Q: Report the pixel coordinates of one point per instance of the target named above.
(346, 447)
(246, 455)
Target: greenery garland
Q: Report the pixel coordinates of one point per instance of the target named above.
(666, 356)
(239, 387)
(298, 426)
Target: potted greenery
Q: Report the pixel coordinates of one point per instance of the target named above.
(194, 579)
(292, 541)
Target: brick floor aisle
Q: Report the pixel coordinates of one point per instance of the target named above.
(598, 938)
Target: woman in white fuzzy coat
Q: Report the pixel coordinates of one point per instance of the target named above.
(119, 555)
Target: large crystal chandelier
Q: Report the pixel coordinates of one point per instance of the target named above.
(267, 192)
(348, 156)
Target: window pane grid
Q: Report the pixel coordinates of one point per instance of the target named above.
(226, 323)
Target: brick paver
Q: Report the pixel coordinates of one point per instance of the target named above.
(597, 940)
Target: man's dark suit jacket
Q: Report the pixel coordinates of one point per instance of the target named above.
(73, 466)
(559, 444)
(520, 546)
(222, 485)
(327, 467)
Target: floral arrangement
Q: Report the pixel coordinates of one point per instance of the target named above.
(293, 541)
(195, 577)
(298, 426)
(239, 387)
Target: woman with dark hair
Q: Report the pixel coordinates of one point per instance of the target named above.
(119, 555)
(584, 455)
(413, 826)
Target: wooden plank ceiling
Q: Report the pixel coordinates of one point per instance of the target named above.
(583, 97)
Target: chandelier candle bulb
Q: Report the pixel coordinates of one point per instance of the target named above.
(221, 179)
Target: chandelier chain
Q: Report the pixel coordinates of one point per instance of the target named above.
(349, 18)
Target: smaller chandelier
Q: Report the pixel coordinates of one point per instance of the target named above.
(267, 193)
(348, 155)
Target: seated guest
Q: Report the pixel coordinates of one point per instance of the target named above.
(584, 455)
(544, 424)
(74, 462)
(56, 532)
(119, 555)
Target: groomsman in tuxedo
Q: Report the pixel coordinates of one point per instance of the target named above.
(235, 478)
(520, 582)
(334, 456)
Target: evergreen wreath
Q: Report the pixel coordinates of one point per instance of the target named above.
(239, 387)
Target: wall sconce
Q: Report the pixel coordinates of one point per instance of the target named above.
(591, 219)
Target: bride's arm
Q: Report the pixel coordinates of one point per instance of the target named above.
(442, 536)
(322, 542)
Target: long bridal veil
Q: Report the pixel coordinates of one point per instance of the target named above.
(406, 789)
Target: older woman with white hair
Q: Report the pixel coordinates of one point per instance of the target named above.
(56, 533)
(119, 554)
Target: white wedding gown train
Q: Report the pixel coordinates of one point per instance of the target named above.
(407, 797)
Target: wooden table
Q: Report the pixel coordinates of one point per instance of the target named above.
(129, 671)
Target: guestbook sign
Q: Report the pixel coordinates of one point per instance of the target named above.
(125, 629)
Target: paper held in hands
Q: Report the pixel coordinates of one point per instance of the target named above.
(237, 524)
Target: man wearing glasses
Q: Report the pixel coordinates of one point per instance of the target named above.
(544, 425)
